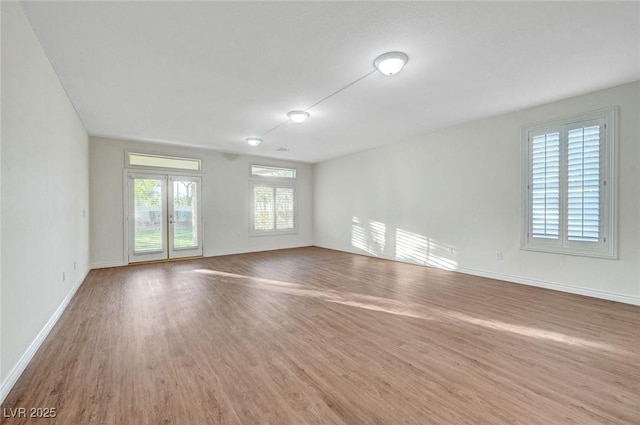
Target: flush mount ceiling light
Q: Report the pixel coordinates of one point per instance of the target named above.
(298, 116)
(254, 141)
(391, 63)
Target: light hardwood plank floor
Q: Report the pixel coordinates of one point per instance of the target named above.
(314, 336)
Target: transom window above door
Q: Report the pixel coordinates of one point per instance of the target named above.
(147, 160)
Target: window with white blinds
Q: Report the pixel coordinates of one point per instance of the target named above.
(568, 194)
(273, 204)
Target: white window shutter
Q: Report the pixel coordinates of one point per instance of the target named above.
(583, 184)
(263, 204)
(284, 208)
(545, 186)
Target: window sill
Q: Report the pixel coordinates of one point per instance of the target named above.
(604, 254)
(273, 232)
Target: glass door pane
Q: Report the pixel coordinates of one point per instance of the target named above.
(147, 218)
(185, 217)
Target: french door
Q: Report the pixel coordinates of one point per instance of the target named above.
(164, 216)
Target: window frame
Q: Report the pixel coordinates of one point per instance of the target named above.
(606, 247)
(273, 182)
(273, 167)
(128, 165)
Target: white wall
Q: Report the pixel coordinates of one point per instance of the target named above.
(1, 133)
(44, 188)
(455, 196)
(225, 193)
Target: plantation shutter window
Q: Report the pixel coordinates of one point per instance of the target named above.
(569, 197)
(273, 200)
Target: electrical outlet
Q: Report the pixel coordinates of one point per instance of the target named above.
(450, 250)
(74, 265)
(64, 276)
(499, 255)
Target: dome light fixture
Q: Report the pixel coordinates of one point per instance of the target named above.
(254, 141)
(391, 63)
(298, 117)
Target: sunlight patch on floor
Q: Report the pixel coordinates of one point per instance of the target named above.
(402, 308)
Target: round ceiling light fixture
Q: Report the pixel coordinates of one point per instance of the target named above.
(254, 141)
(391, 63)
(298, 117)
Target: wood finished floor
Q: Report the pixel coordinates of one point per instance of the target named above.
(313, 336)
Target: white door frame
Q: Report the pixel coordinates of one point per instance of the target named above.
(128, 213)
(189, 251)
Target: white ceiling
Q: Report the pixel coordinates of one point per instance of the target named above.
(210, 74)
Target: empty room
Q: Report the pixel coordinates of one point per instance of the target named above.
(341, 213)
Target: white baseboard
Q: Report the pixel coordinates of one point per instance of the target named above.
(218, 253)
(611, 296)
(107, 264)
(22, 364)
